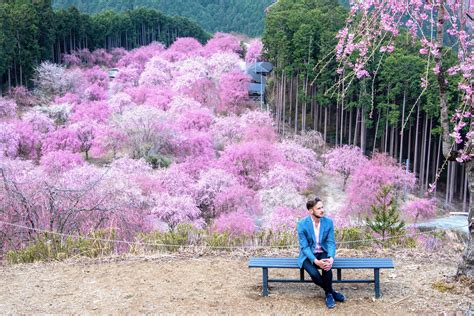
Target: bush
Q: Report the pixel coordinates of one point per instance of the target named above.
(385, 221)
(173, 240)
(352, 237)
(47, 247)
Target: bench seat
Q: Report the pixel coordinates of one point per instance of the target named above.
(339, 263)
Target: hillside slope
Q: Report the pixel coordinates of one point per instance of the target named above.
(242, 16)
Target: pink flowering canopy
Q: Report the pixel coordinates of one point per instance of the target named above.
(285, 219)
(249, 161)
(254, 51)
(238, 223)
(222, 42)
(420, 208)
(367, 181)
(344, 160)
(7, 108)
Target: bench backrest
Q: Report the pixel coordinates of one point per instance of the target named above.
(339, 263)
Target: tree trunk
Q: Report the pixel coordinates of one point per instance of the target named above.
(296, 105)
(317, 112)
(428, 155)
(291, 99)
(304, 105)
(376, 131)
(415, 160)
(392, 141)
(448, 180)
(452, 185)
(385, 141)
(438, 155)
(350, 126)
(409, 147)
(396, 140)
(466, 267)
(403, 123)
(284, 105)
(337, 123)
(466, 187)
(325, 122)
(354, 142)
(423, 153)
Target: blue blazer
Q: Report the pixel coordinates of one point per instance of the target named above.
(307, 240)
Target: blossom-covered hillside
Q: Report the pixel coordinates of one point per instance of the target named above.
(145, 140)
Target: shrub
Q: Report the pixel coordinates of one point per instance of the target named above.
(173, 240)
(385, 219)
(47, 247)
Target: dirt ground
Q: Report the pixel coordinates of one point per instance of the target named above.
(204, 283)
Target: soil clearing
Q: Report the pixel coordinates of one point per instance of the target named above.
(221, 283)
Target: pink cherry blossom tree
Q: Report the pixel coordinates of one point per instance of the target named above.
(237, 198)
(210, 184)
(22, 96)
(254, 51)
(237, 223)
(297, 156)
(222, 42)
(7, 108)
(149, 133)
(157, 72)
(9, 140)
(55, 162)
(77, 201)
(182, 48)
(420, 208)
(250, 161)
(368, 180)
(174, 210)
(64, 138)
(234, 92)
(284, 219)
(344, 160)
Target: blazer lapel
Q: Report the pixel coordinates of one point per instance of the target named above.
(311, 229)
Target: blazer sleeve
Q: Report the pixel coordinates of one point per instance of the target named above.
(304, 244)
(331, 242)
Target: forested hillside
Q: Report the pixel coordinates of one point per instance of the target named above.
(242, 16)
(33, 32)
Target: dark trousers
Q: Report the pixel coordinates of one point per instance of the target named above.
(323, 279)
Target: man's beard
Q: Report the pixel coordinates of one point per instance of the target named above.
(317, 216)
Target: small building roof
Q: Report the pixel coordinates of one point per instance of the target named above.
(262, 67)
(256, 89)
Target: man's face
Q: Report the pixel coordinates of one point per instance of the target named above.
(318, 210)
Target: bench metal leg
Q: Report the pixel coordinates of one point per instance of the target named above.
(377, 282)
(339, 274)
(301, 274)
(265, 282)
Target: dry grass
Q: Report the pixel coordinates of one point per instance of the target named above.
(205, 282)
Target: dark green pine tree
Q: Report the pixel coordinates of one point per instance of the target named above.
(385, 219)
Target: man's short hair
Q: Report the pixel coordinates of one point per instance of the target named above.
(310, 204)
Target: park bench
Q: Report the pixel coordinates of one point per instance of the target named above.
(339, 264)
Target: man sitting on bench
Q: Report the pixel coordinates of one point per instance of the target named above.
(318, 248)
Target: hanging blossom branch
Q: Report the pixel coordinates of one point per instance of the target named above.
(345, 50)
(353, 72)
(416, 14)
(358, 33)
